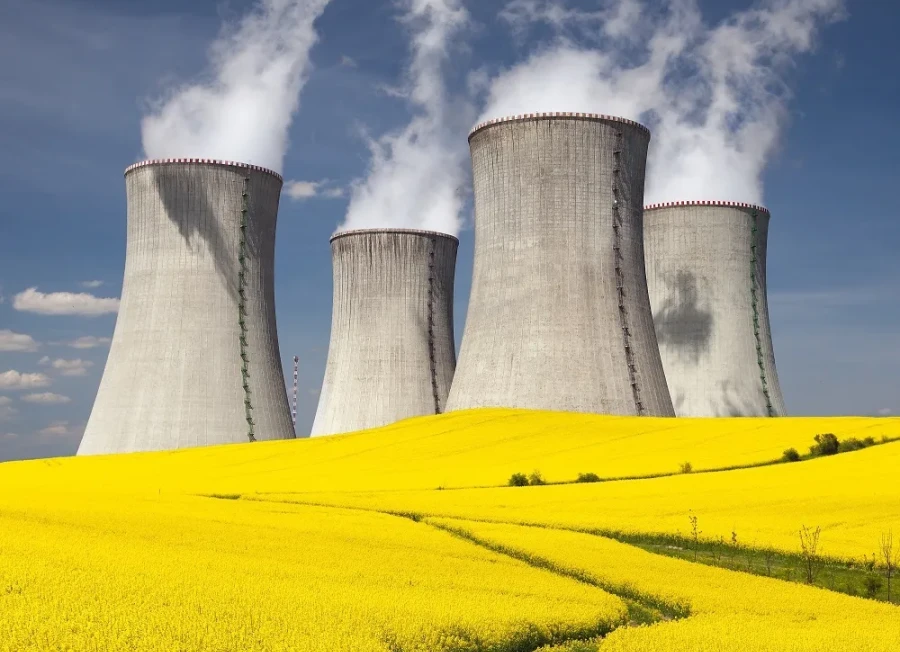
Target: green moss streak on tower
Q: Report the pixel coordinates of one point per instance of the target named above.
(754, 299)
(242, 310)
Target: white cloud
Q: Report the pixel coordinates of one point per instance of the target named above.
(309, 189)
(13, 379)
(10, 341)
(46, 398)
(91, 284)
(5, 400)
(89, 342)
(58, 428)
(885, 411)
(64, 303)
(243, 108)
(348, 62)
(9, 435)
(7, 412)
(77, 367)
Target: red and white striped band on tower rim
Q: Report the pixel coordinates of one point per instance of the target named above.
(423, 233)
(205, 161)
(562, 114)
(700, 202)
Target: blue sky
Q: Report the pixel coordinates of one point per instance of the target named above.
(77, 79)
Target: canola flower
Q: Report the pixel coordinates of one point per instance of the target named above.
(854, 497)
(729, 611)
(473, 448)
(124, 552)
(187, 573)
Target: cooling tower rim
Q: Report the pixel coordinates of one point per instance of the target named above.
(721, 204)
(556, 114)
(202, 161)
(420, 232)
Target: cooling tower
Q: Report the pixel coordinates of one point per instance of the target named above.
(559, 316)
(392, 352)
(194, 358)
(706, 272)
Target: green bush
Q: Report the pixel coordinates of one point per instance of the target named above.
(852, 444)
(791, 455)
(588, 477)
(686, 467)
(536, 478)
(872, 584)
(518, 480)
(826, 444)
(869, 441)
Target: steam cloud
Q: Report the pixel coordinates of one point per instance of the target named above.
(713, 96)
(416, 173)
(243, 110)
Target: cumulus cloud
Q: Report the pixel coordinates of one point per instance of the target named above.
(714, 96)
(64, 303)
(13, 379)
(309, 189)
(417, 173)
(58, 429)
(46, 398)
(243, 107)
(89, 342)
(75, 367)
(10, 341)
(91, 285)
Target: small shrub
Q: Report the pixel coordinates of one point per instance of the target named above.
(869, 441)
(850, 589)
(518, 480)
(536, 478)
(872, 584)
(791, 455)
(826, 444)
(588, 477)
(687, 467)
(852, 444)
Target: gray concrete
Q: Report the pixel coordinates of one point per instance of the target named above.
(173, 378)
(392, 352)
(704, 284)
(559, 316)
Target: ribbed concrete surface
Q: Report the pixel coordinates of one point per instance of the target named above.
(392, 353)
(173, 377)
(701, 276)
(547, 325)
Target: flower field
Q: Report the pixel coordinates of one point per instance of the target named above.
(405, 539)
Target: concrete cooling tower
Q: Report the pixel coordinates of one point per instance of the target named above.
(194, 358)
(706, 272)
(392, 352)
(559, 316)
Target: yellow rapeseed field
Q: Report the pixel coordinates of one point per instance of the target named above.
(319, 545)
(188, 573)
(728, 610)
(474, 448)
(854, 497)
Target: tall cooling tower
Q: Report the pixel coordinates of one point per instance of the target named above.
(559, 316)
(706, 271)
(392, 353)
(194, 358)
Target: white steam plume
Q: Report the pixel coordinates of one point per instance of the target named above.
(243, 110)
(713, 96)
(416, 173)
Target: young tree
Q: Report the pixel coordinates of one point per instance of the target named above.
(695, 534)
(890, 558)
(809, 545)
